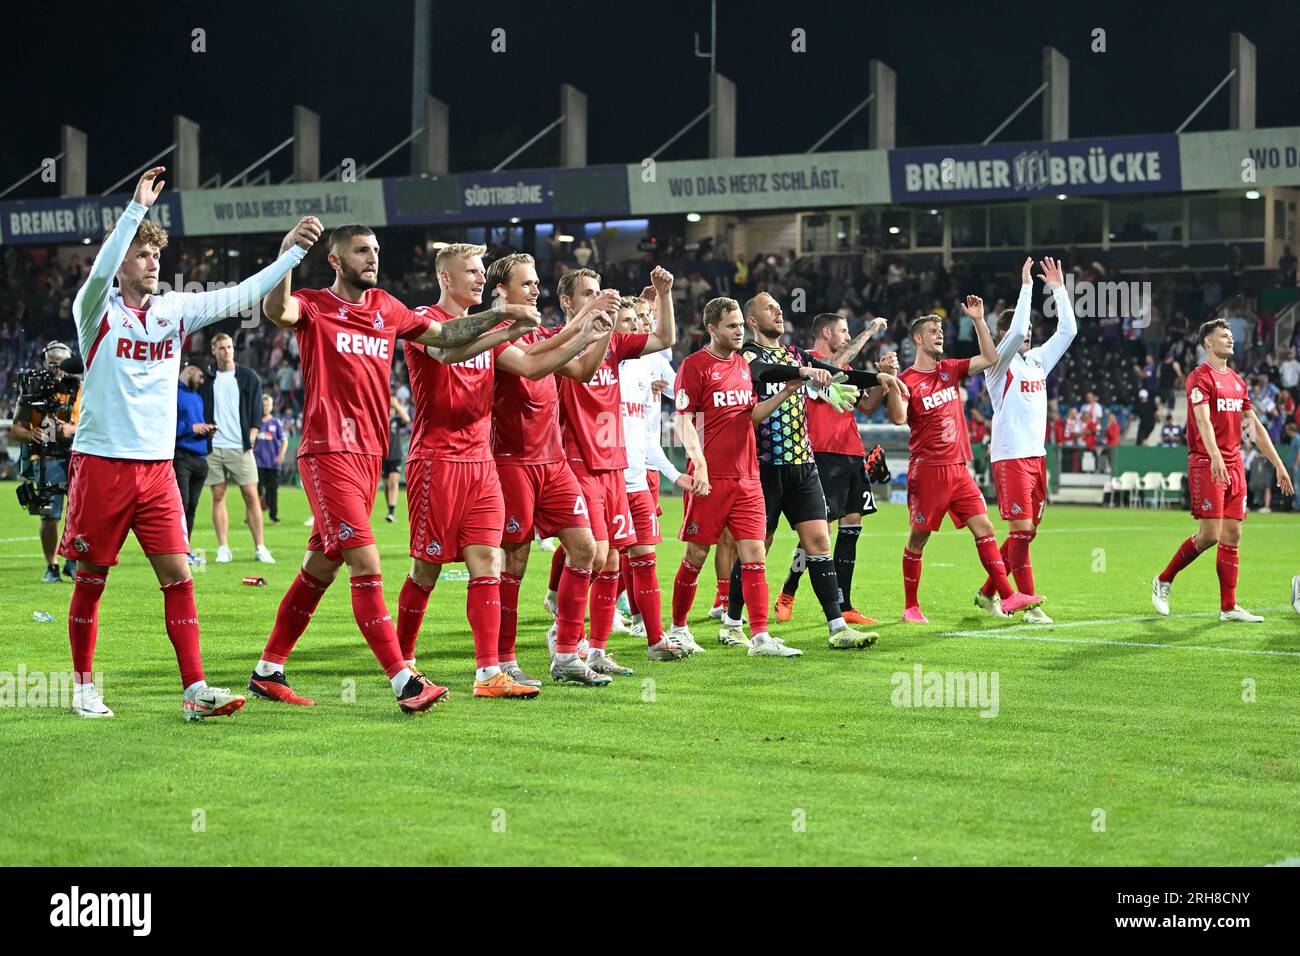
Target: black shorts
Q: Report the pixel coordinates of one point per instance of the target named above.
(792, 490)
(845, 483)
(391, 466)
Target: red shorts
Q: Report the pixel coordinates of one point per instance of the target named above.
(937, 490)
(609, 511)
(107, 497)
(732, 503)
(452, 504)
(652, 479)
(1216, 501)
(542, 497)
(645, 518)
(1022, 488)
(340, 488)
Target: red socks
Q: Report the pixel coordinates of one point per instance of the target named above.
(991, 558)
(911, 577)
(375, 622)
(411, 605)
(509, 617)
(626, 582)
(571, 596)
(183, 629)
(753, 585)
(684, 585)
(604, 595)
(1225, 563)
(557, 567)
(83, 622)
(644, 594)
(724, 593)
(1185, 555)
(483, 609)
(296, 609)
(1015, 560)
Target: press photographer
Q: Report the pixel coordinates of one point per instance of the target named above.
(45, 421)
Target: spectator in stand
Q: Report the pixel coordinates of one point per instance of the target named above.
(1055, 428)
(1286, 268)
(1145, 410)
(1091, 428)
(1171, 435)
(1239, 325)
(1289, 372)
(977, 427)
(268, 453)
(1092, 408)
(1073, 432)
(1112, 441)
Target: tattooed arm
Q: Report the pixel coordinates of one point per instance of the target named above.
(462, 338)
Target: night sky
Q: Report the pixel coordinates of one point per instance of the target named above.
(119, 72)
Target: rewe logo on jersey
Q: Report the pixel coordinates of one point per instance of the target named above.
(604, 376)
(1228, 404)
(1033, 385)
(481, 361)
(941, 397)
(732, 396)
(354, 343)
(142, 351)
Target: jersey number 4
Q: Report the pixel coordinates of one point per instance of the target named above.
(579, 505)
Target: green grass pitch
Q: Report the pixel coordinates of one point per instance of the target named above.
(1119, 738)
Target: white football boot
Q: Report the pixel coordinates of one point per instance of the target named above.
(1160, 595)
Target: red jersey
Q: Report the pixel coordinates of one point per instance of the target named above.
(526, 415)
(1225, 394)
(593, 424)
(346, 352)
(832, 431)
(720, 393)
(935, 415)
(451, 416)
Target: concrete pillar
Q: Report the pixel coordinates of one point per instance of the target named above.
(421, 55)
(882, 110)
(1056, 98)
(573, 131)
(722, 121)
(1241, 88)
(184, 165)
(72, 174)
(306, 145)
(434, 142)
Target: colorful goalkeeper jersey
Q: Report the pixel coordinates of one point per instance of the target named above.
(782, 438)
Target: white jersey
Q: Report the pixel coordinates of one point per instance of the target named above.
(133, 356)
(634, 385)
(1017, 384)
(660, 370)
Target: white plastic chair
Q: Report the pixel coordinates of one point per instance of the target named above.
(1153, 483)
(1127, 484)
(1174, 486)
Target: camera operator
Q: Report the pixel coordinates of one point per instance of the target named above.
(192, 434)
(45, 422)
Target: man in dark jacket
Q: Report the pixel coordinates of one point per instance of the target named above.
(192, 434)
(232, 399)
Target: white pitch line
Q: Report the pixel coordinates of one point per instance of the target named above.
(1017, 634)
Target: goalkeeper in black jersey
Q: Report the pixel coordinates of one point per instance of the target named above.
(787, 469)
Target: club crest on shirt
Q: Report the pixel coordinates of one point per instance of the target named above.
(513, 526)
(163, 323)
(433, 549)
(343, 313)
(379, 320)
(345, 531)
(943, 376)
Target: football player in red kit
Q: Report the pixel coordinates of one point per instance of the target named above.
(347, 336)
(1216, 477)
(938, 481)
(453, 493)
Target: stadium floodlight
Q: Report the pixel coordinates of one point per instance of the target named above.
(692, 217)
(1252, 193)
(564, 237)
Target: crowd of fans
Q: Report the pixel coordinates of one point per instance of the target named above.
(1121, 381)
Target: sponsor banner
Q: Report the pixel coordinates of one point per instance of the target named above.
(527, 194)
(1228, 159)
(760, 182)
(1077, 167)
(221, 212)
(77, 217)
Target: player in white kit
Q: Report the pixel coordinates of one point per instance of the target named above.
(120, 477)
(1017, 385)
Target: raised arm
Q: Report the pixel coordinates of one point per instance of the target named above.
(988, 351)
(533, 366)
(1011, 342)
(279, 306)
(665, 334)
(1066, 325)
(92, 297)
(851, 349)
(583, 367)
